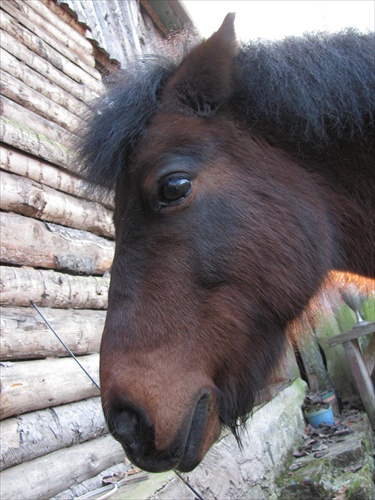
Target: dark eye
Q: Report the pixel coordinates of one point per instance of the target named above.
(174, 188)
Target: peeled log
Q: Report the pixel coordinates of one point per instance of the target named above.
(17, 162)
(46, 476)
(33, 199)
(19, 285)
(52, 382)
(26, 241)
(35, 434)
(24, 334)
(21, 137)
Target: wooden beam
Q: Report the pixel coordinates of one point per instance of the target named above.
(33, 42)
(355, 333)
(47, 476)
(53, 381)
(49, 288)
(20, 163)
(30, 99)
(24, 334)
(41, 84)
(361, 377)
(27, 197)
(26, 18)
(37, 433)
(28, 242)
(44, 67)
(21, 137)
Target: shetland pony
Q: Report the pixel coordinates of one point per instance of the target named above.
(242, 176)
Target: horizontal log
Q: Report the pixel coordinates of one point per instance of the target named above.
(28, 32)
(35, 434)
(46, 476)
(17, 113)
(17, 162)
(28, 242)
(45, 68)
(32, 199)
(34, 101)
(24, 334)
(21, 137)
(38, 14)
(53, 381)
(19, 285)
(41, 84)
(96, 482)
(33, 42)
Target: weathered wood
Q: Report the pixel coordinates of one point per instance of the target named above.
(14, 112)
(21, 137)
(355, 333)
(38, 14)
(28, 242)
(33, 42)
(21, 195)
(55, 472)
(69, 18)
(24, 334)
(40, 84)
(20, 163)
(369, 355)
(19, 285)
(30, 99)
(52, 381)
(35, 434)
(361, 377)
(45, 68)
(28, 20)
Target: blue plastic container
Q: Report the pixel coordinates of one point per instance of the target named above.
(324, 415)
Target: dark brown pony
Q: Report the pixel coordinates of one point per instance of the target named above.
(242, 175)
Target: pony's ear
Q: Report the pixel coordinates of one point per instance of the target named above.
(203, 81)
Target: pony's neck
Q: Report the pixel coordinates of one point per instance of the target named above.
(349, 187)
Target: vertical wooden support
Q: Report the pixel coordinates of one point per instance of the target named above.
(361, 377)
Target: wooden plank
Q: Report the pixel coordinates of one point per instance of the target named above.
(369, 356)
(37, 433)
(19, 285)
(47, 476)
(24, 334)
(33, 199)
(17, 162)
(28, 242)
(54, 381)
(21, 137)
(33, 42)
(38, 14)
(62, 11)
(41, 84)
(355, 333)
(45, 68)
(30, 99)
(28, 20)
(14, 112)
(361, 377)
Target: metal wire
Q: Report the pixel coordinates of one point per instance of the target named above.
(97, 385)
(63, 343)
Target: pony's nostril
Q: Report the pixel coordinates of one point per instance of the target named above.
(131, 427)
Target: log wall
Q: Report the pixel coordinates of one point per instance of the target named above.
(57, 240)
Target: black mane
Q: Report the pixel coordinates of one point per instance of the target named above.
(308, 91)
(311, 89)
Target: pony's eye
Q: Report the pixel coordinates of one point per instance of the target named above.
(174, 188)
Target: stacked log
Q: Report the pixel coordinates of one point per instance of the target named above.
(57, 246)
